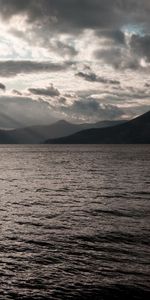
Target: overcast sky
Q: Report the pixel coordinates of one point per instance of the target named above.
(79, 60)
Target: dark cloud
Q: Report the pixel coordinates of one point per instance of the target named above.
(122, 97)
(125, 55)
(64, 49)
(108, 20)
(48, 19)
(68, 15)
(147, 85)
(141, 46)
(92, 109)
(12, 68)
(120, 57)
(49, 91)
(91, 76)
(2, 87)
(116, 36)
(62, 100)
(74, 16)
(129, 55)
(64, 15)
(16, 92)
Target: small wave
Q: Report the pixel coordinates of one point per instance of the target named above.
(117, 237)
(26, 223)
(128, 214)
(142, 193)
(78, 292)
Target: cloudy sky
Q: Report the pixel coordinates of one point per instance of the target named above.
(79, 60)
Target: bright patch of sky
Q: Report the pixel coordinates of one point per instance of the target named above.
(133, 29)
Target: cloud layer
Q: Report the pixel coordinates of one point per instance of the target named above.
(13, 68)
(75, 59)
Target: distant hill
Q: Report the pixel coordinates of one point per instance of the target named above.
(38, 134)
(136, 131)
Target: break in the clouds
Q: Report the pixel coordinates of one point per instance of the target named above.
(99, 49)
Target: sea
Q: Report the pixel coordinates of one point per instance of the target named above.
(74, 222)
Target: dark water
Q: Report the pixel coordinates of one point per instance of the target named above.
(74, 222)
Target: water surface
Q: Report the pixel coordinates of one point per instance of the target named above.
(74, 222)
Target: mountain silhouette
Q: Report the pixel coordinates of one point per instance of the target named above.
(38, 134)
(136, 131)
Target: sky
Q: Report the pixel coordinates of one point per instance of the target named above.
(79, 60)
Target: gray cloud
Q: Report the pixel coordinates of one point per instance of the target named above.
(12, 68)
(62, 100)
(126, 57)
(64, 49)
(115, 36)
(127, 53)
(107, 18)
(66, 15)
(49, 91)
(16, 92)
(2, 87)
(102, 104)
(147, 85)
(91, 76)
(129, 100)
(72, 16)
(141, 45)
(91, 109)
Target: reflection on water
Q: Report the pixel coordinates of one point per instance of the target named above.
(74, 222)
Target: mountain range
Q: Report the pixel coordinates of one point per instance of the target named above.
(38, 134)
(136, 131)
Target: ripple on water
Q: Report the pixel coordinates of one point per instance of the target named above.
(74, 222)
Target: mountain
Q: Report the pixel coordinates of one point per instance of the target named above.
(65, 128)
(136, 131)
(38, 134)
